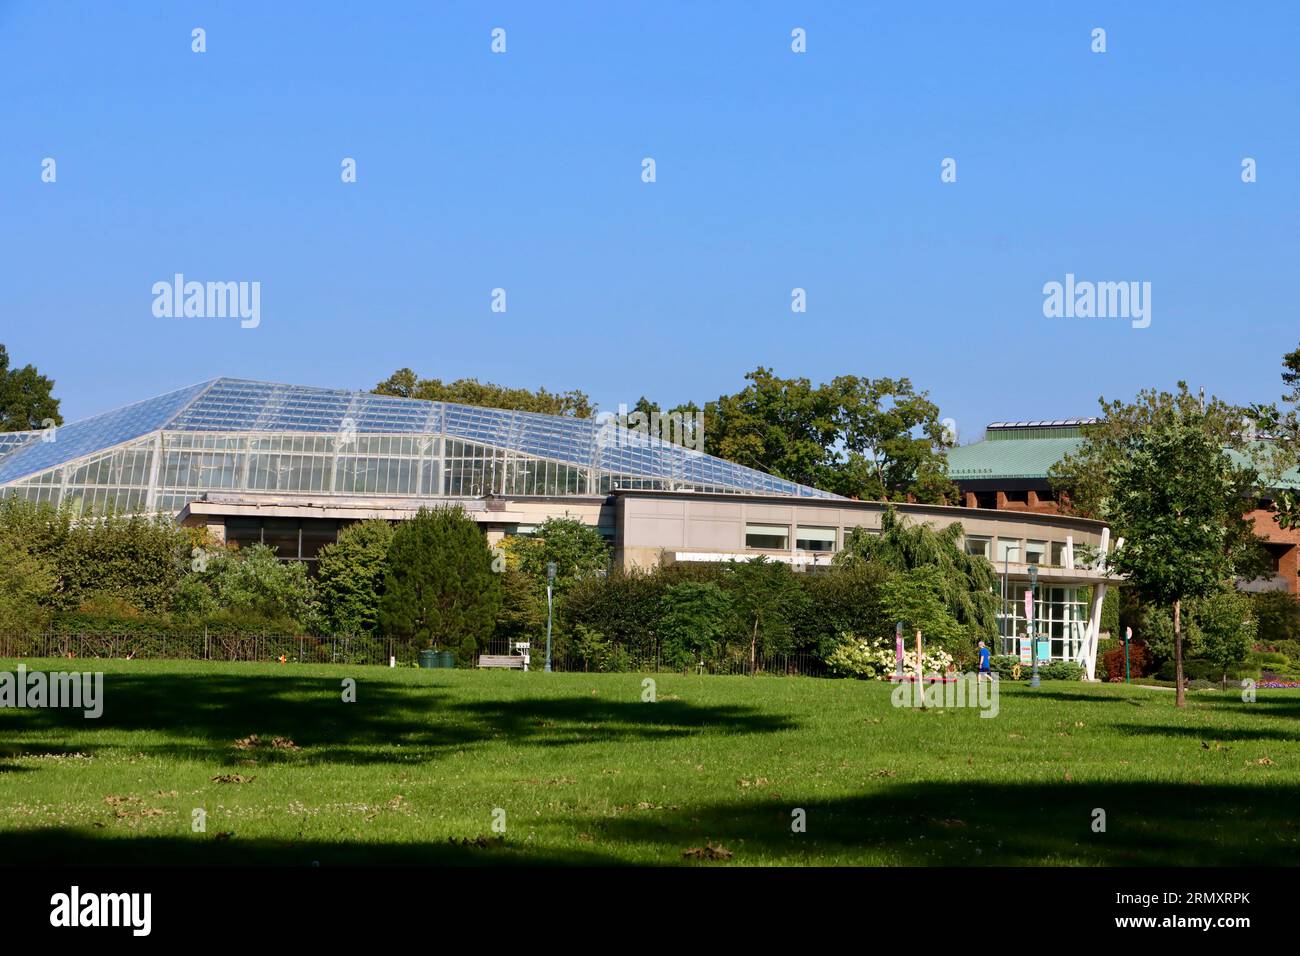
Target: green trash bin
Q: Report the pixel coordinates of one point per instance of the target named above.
(429, 659)
(446, 659)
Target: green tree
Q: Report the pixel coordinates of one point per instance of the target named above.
(967, 581)
(522, 614)
(578, 551)
(916, 598)
(350, 576)
(249, 588)
(133, 558)
(28, 585)
(1084, 479)
(1228, 629)
(1177, 499)
(693, 622)
(440, 589)
(876, 439)
(468, 391)
(26, 398)
(893, 441)
(766, 603)
(1220, 628)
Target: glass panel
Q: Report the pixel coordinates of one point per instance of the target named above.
(815, 539)
(282, 535)
(767, 536)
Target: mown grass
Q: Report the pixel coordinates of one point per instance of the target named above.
(589, 774)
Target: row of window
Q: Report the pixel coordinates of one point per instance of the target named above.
(776, 537)
(1017, 551)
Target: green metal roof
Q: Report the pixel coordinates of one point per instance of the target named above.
(1031, 458)
(1008, 457)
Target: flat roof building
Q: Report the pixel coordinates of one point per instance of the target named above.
(289, 465)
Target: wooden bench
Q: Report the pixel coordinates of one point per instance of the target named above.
(512, 661)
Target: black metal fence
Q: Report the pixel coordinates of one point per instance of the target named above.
(206, 645)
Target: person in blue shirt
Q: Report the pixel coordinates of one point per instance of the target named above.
(984, 668)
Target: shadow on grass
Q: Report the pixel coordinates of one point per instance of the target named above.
(201, 717)
(914, 824)
(993, 824)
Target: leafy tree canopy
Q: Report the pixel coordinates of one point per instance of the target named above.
(468, 391)
(350, 576)
(26, 398)
(876, 439)
(1084, 478)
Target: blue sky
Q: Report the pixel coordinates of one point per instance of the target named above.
(775, 170)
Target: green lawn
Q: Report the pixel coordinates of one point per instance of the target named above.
(587, 773)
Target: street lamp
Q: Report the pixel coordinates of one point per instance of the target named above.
(550, 582)
(1033, 642)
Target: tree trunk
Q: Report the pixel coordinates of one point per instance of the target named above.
(1180, 699)
(753, 650)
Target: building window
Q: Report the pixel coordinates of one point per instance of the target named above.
(1009, 549)
(1058, 554)
(1035, 552)
(814, 539)
(986, 499)
(981, 546)
(767, 536)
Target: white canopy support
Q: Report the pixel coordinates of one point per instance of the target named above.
(1088, 652)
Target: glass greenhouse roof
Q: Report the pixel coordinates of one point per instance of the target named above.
(235, 405)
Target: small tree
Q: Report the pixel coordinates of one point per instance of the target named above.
(1227, 629)
(915, 597)
(766, 602)
(440, 589)
(350, 576)
(693, 621)
(1177, 500)
(578, 551)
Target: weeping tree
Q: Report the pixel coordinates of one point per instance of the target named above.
(966, 581)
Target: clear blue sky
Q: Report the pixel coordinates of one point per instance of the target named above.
(775, 170)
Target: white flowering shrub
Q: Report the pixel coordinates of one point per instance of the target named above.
(869, 659)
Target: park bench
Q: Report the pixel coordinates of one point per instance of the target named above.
(513, 661)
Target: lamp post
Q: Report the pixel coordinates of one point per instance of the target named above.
(550, 582)
(1128, 636)
(1033, 641)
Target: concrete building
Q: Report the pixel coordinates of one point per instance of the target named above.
(288, 466)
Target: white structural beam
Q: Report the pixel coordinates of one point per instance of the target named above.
(1088, 653)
